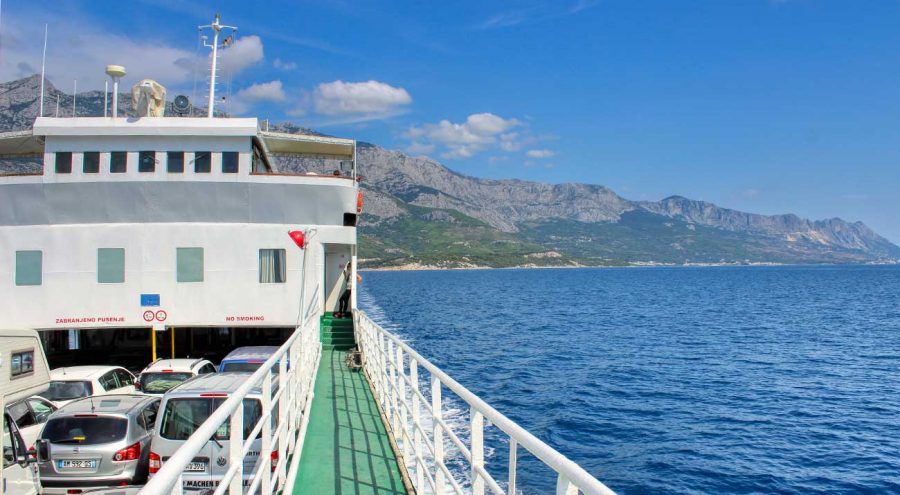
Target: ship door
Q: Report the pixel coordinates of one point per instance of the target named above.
(336, 258)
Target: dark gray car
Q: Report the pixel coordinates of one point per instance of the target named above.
(98, 442)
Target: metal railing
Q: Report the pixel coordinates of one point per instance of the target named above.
(289, 403)
(420, 429)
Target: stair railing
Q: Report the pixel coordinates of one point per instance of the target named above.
(393, 368)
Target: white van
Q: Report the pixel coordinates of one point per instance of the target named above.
(23, 373)
(185, 407)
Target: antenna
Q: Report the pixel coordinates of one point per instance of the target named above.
(43, 66)
(216, 26)
(74, 95)
(116, 72)
(105, 96)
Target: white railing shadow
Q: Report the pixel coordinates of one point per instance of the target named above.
(419, 428)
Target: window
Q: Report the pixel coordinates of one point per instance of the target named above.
(124, 378)
(85, 429)
(41, 409)
(271, 266)
(21, 415)
(91, 162)
(182, 417)
(175, 161)
(207, 369)
(189, 264)
(21, 363)
(202, 162)
(110, 265)
(108, 381)
(148, 416)
(147, 161)
(29, 267)
(64, 162)
(230, 162)
(118, 162)
(62, 390)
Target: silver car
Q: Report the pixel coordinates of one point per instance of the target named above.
(185, 407)
(98, 442)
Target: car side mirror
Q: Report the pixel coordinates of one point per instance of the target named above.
(43, 450)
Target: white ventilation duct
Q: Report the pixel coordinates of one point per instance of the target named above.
(149, 98)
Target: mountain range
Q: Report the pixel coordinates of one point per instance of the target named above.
(419, 213)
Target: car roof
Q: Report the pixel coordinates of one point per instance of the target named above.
(254, 352)
(213, 383)
(115, 403)
(177, 364)
(80, 372)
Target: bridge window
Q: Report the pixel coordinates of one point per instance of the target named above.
(175, 161)
(202, 162)
(91, 162)
(147, 161)
(189, 264)
(110, 265)
(271, 266)
(118, 162)
(29, 265)
(64, 162)
(230, 162)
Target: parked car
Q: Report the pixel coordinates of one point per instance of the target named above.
(98, 442)
(75, 382)
(30, 415)
(163, 374)
(23, 373)
(185, 407)
(248, 358)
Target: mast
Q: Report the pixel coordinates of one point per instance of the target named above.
(43, 66)
(216, 27)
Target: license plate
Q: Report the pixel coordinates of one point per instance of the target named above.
(77, 464)
(196, 467)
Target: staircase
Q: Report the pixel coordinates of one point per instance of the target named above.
(336, 333)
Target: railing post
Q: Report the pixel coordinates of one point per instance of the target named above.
(564, 486)
(513, 453)
(283, 408)
(477, 431)
(439, 483)
(235, 445)
(404, 413)
(392, 386)
(265, 452)
(417, 435)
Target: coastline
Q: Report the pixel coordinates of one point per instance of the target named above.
(411, 267)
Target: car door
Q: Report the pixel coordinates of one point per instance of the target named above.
(147, 421)
(41, 409)
(17, 478)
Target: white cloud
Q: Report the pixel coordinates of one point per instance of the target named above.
(479, 132)
(282, 65)
(267, 91)
(510, 141)
(245, 52)
(420, 148)
(373, 98)
(541, 153)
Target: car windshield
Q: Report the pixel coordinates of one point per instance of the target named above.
(85, 430)
(241, 366)
(182, 417)
(68, 390)
(157, 383)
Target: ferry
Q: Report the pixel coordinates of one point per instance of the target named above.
(171, 235)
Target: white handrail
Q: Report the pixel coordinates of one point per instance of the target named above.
(383, 355)
(295, 383)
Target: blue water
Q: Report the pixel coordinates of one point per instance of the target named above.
(674, 380)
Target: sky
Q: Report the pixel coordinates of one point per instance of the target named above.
(767, 106)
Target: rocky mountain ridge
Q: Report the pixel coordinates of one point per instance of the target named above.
(418, 211)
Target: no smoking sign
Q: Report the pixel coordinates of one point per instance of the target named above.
(159, 316)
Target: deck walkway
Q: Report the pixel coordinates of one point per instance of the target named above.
(347, 450)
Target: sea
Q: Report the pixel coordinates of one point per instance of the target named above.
(672, 380)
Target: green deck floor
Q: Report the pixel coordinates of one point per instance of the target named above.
(346, 451)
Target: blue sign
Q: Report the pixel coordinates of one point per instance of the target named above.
(149, 300)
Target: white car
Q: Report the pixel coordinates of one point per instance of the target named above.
(30, 415)
(75, 382)
(163, 374)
